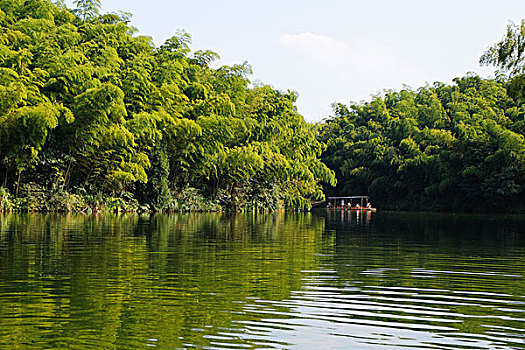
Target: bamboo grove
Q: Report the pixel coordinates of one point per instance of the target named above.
(93, 114)
(88, 109)
(457, 147)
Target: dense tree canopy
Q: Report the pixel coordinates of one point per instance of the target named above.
(441, 147)
(86, 105)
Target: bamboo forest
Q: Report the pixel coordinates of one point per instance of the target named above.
(95, 117)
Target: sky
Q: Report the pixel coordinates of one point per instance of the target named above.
(334, 51)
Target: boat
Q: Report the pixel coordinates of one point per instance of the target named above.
(354, 203)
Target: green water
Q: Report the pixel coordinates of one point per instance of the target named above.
(321, 280)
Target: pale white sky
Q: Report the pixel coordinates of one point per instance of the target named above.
(334, 51)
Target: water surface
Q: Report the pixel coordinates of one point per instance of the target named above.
(286, 280)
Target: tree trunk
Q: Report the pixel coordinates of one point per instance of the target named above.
(67, 175)
(18, 183)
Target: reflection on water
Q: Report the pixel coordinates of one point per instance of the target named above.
(332, 279)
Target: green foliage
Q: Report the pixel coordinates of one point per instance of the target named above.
(191, 200)
(509, 52)
(6, 202)
(35, 197)
(456, 147)
(92, 116)
(87, 9)
(125, 203)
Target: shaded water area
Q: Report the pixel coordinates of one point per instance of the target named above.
(316, 280)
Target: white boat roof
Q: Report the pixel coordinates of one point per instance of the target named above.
(349, 197)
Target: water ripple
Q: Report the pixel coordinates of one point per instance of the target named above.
(392, 317)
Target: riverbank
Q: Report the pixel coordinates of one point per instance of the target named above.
(35, 199)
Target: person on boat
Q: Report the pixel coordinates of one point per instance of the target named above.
(329, 205)
(357, 206)
(368, 205)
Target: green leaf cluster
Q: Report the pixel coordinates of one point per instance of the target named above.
(441, 147)
(87, 105)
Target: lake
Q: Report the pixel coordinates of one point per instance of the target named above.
(320, 280)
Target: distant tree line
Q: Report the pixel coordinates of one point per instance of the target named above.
(88, 107)
(440, 147)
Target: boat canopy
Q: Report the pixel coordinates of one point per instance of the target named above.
(347, 202)
(350, 197)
